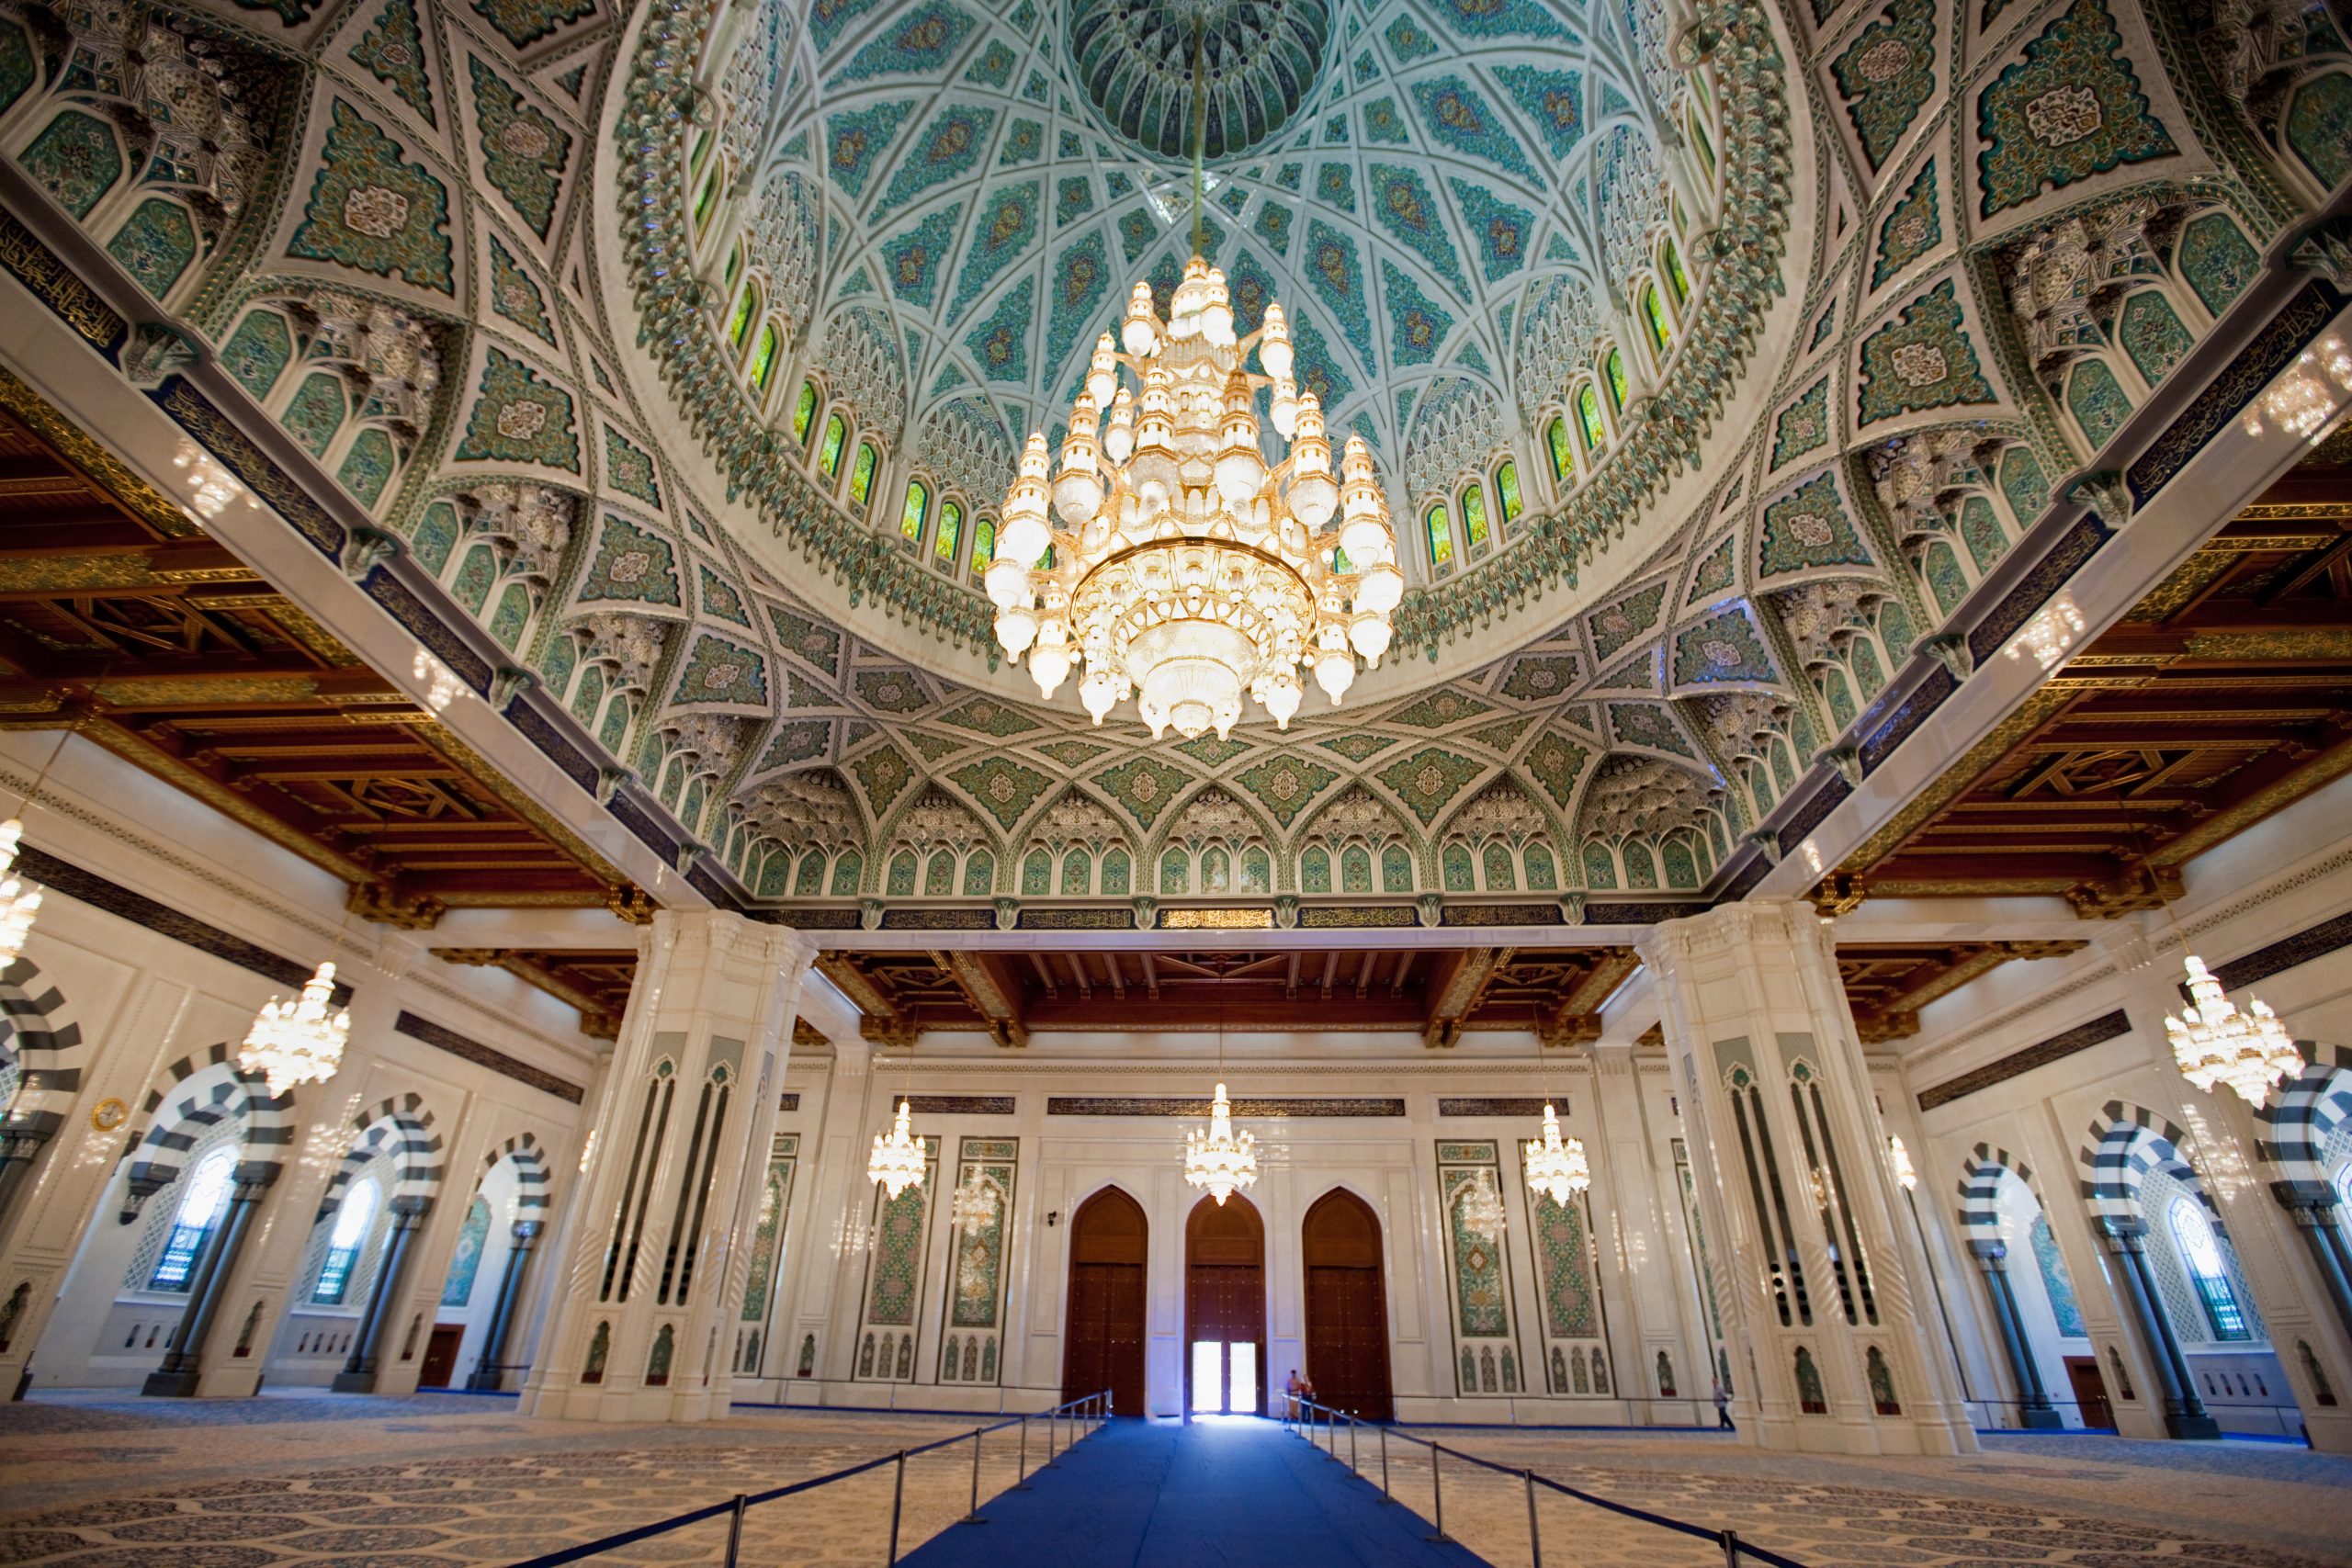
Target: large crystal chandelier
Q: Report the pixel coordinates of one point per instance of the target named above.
(19, 898)
(1217, 1157)
(897, 1157)
(973, 1203)
(300, 1040)
(2215, 1044)
(1557, 1168)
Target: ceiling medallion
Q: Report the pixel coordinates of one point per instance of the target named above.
(2215, 1044)
(1186, 571)
(1218, 1159)
(1556, 1169)
(897, 1157)
(297, 1041)
(1261, 60)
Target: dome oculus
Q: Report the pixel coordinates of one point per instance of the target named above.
(1134, 59)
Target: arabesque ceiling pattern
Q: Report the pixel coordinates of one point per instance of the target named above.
(382, 223)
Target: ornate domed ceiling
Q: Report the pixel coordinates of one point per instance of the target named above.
(521, 297)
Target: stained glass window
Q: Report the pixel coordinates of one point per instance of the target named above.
(2202, 1255)
(1676, 278)
(860, 477)
(764, 358)
(1706, 148)
(706, 200)
(207, 1195)
(1439, 530)
(734, 265)
(1474, 518)
(983, 541)
(918, 503)
(804, 408)
(740, 323)
(1589, 417)
(1655, 314)
(828, 452)
(950, 533)
(1615, 367)
(1507, 485)
(1564, 463)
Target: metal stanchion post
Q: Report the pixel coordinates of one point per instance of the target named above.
(898, 1505)
(1437, 1492)
(1351, 1442)
(1052, 1416)
(972, 1516)
(1731, 1549)
(735, 1530)
(1020, 1463)
(1384, 1466)
(1534, 1534)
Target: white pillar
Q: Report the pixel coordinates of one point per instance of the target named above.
(656, 1260)
(1789, 1157)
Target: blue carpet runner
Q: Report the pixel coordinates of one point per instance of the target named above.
(1158, 1495)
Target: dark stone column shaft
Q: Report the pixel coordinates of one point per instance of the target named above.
(358, 1374)
(2034, 1409)
(183, 1363)
(2185, 1414)
(22, 1137)
(490, 1369)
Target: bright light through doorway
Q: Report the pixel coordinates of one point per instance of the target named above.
(1225, 1377)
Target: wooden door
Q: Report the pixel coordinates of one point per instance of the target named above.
(1347, 1309)
(1224, 1297)
(2090, 1390)
(441, 1355)
(1103, 1342)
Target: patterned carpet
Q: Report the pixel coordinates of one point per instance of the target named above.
(450, 1481)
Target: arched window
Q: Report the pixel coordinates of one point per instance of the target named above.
(829, 450)
(860, 477)
(1564, 465)
(804, 408)
(2344, 1191)
(2200, 1252)
(763, 359)
(734, 265)
(983, 542)
(911, 517)
(707, 200)
(738, 325)
(1706, 148)
(1589, 417)
(949, 536)
(1507, 485)
(1676, 278)
(1614, 369)
(350, 1234)
(200, 1210)
(1439, 530)
(1474, 518)
(1653, 313)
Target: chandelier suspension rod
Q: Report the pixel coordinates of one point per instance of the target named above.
(1200, 131)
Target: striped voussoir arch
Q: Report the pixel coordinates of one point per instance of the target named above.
(36, 1029)
(531, 1176)
(2124, 1144)
(2298, 1118)
(402, 1127)
(194, 1093)
(1980, 1190)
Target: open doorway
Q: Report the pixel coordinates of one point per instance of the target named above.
(1225, 1308)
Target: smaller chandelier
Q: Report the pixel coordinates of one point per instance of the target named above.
(1219, 1158)
(1555, 1165)
(19, 900)
(897, 1157)
(1899, 1159)
(973, 1205)
(297, 1041)
(1481, 1209)
(2215, 1044)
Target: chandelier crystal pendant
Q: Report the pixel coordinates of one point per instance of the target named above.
(19, 898)
(1555, 1166)
(300, 1040)
(897, 1161)
(2215, 1044)
(1481, 1209)
(1218, 1159)
(1184, 568)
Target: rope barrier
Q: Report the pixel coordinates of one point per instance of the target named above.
(1094, 1404)
(1736, 1551)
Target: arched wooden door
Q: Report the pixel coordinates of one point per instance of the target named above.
(1225, 1308)
(1104, 1341)
(1347, 1310)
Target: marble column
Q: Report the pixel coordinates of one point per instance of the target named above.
(655, 1266)
(2034, 1409)
(490, 1370)
(2127, 1242)
(1789, 1153)
(358, 1374)
(183, 1363)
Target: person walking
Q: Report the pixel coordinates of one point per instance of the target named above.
(1723, 1407)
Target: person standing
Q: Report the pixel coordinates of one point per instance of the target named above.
(1723, 1407)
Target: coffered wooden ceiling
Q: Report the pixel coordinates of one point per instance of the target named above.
(121, 617)
(1887, 983)
(2225, 696)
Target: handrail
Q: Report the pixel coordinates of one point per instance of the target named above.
(1095, 1408)
(1736, 1551)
